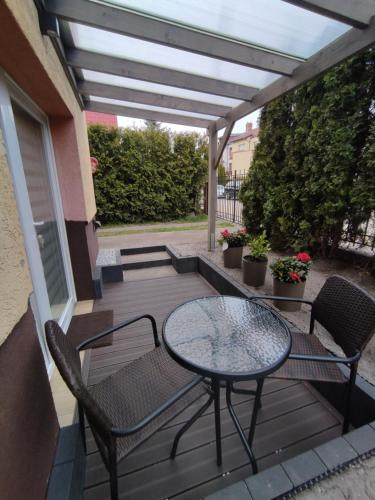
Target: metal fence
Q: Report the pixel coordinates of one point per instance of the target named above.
(360, 235)
(229, 206)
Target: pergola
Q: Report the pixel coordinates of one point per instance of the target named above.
(200, 63)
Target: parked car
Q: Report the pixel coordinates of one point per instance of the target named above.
(232, 188)
(220, 191)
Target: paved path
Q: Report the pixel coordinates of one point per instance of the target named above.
(149, 239)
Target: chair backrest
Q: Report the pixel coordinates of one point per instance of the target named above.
(68, 363)
(347, 312)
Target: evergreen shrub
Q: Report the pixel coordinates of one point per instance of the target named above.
(147, 175)
(313, 171)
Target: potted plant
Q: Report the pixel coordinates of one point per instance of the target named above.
(289, 278)
(232, 244)
(254, 264)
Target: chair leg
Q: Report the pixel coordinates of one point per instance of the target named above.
(258, 396)
(312, 323)
(349, 390)
(81, 416)
(188, 424)
(216, 391)
(113, 474)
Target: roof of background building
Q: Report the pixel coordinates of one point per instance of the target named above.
(249, 132)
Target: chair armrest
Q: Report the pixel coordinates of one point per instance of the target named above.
(122, 325)
(282, 299)
(326, 359)
(146, 420)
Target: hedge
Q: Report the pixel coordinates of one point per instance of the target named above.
(147, 175)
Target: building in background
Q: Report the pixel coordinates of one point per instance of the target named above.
(93, 118)
(239, 152)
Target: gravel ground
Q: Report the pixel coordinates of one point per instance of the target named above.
(355, 483)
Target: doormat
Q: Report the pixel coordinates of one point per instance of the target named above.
(84, 326)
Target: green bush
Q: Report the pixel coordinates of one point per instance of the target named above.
(147, 175)
(314, 167)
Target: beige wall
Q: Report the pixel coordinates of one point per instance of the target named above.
(242, 154)
(31, 61)
(42, 77)
(15, 278)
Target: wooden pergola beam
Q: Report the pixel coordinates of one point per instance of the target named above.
(150, 98)
(212, 188)
(83, 59)
(356, 13)
(146, 27)
(223, 142)
(349, 44)
(145, 114)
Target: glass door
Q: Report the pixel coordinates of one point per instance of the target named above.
(31, 159)
(30, 139)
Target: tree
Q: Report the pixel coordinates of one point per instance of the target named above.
(263, 182)
(313, 168)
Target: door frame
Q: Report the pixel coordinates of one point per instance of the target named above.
(39, 299)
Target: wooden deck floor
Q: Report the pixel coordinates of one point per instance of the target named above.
(293, 417)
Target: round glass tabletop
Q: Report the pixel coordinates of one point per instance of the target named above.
(229, 337)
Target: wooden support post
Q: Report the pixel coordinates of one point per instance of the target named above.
(212, 188)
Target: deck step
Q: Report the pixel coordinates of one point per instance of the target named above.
(145, 259)
(149, 274)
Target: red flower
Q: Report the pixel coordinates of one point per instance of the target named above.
(294, 276)
(225, 233)
(303, 257)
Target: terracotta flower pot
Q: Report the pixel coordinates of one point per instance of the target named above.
(292, 290)
(233, 257)
(254, 271)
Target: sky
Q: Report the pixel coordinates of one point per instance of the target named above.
(238, 128)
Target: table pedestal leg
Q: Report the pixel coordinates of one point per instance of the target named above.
(240, 431)
(216, 391)
(257, 405)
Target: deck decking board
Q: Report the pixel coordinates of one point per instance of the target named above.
(292, 418)
(159, 445)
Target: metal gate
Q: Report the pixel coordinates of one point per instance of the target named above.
(229, 207)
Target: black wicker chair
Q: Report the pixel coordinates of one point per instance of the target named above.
(126, 408)
(348, 313)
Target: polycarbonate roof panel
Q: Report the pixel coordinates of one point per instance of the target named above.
(274, 24)
(144, 107)
(120, 81)
(113, 44)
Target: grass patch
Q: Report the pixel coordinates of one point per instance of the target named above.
(166, 229)
(183, 220)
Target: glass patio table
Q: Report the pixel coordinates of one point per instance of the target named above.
(227, 339)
